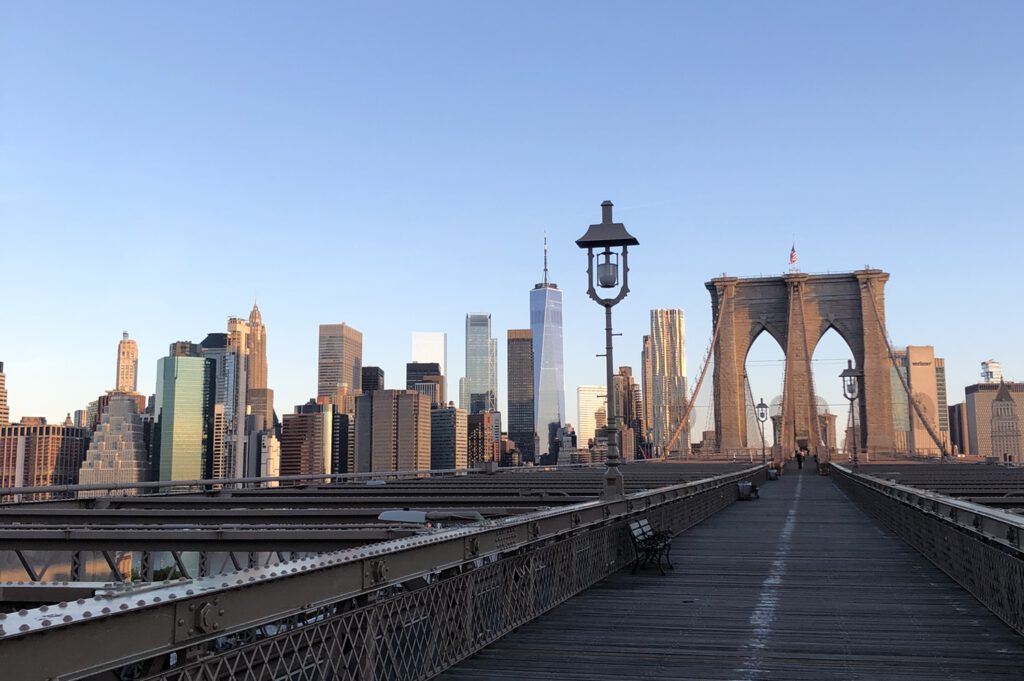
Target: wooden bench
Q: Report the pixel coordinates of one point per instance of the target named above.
(651, 545)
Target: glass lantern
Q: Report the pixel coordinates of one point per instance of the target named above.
(608, 269)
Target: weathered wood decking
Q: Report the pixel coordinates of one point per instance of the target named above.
(797, 585)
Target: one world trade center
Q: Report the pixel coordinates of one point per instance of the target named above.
(548, 373)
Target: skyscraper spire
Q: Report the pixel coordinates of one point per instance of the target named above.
(254, 315)
(545, 257)
(546, 281)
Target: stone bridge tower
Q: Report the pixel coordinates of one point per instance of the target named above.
(796, 310)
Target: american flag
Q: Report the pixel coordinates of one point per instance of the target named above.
(792, 254)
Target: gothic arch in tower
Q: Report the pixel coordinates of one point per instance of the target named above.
(797, 310)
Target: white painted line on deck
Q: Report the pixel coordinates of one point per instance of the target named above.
(764, 614)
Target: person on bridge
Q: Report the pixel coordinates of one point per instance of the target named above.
(800, 460)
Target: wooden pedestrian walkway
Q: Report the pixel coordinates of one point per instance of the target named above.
(797, 585)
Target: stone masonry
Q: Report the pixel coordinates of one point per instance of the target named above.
(796, 310)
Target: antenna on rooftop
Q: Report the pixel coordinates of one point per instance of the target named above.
(545, 257)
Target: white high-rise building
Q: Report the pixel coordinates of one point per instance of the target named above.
(668, 378)
(591, 400)
(117, 453)
(432, 347)
(270, 456)
(991, 371)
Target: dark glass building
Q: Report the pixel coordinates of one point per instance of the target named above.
(426, 377)
(373, 379)
(521, 429)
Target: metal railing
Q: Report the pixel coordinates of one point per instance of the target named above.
(67, 492)
(980, 548)
(400, 610)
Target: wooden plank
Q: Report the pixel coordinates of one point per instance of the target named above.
(797, 585)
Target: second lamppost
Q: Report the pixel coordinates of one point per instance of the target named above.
(762, 415)
(851, 390)
(612, 242)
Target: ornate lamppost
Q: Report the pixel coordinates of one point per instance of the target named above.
(851, 390)
(612, 242)
(761, 409)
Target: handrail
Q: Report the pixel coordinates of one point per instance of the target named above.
(995, 525)
(978, 547)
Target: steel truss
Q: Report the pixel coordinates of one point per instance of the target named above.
(126, 538)
(403, 609)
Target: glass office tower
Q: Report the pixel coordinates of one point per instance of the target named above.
(340, 360)
(479, 390)
(184, 401)
(521, 428)
(548, 365)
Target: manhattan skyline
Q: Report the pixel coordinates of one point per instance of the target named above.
(721, 137)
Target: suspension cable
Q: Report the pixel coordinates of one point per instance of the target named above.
(903, 381)
(750, 394)
(685, 420)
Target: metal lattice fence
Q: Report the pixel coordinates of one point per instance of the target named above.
(417, 634)
(979, 548)
(399, 610)
(417, 630)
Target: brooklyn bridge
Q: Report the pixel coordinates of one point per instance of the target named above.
(860, 564)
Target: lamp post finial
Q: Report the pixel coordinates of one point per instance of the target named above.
(606, 212)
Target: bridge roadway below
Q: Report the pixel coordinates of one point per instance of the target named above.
(800, 584)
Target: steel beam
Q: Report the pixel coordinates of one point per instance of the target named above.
(62, 517)
(641, 475)
(149, 538)
(50, 592)
(29, 570)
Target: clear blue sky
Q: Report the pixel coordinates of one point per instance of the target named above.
(394, 166)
